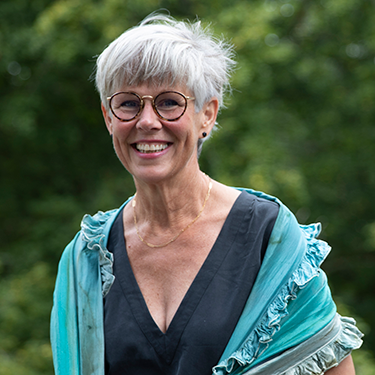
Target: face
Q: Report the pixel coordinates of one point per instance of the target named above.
(154, 150)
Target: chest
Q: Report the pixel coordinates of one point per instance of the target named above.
(148, 290)
(164, 275)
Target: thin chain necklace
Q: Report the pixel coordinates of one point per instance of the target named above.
(180, 232)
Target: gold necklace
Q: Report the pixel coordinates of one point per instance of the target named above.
(180, 232)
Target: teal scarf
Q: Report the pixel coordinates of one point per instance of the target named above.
(289, 324)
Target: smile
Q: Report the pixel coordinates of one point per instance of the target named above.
(147, 148)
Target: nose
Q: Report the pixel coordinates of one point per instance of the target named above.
(148, 119)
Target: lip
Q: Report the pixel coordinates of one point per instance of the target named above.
(151, 155)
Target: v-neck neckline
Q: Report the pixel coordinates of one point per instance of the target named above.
(165, 344)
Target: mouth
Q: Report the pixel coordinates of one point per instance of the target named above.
(149, 148)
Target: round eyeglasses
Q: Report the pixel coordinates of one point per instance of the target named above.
(168, 105)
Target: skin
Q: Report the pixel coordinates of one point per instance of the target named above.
(171, 191)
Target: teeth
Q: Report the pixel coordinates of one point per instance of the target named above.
(147, 148)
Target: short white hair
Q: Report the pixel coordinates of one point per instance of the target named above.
(162, 50)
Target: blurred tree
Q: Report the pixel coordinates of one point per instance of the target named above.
(299, 125)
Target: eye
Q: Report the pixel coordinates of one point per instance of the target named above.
(126, 102)
(129, 104)
(169, 101)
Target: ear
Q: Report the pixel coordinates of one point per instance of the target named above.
(210, 110)
(107, 119)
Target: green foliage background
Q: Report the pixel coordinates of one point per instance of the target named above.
(299, 125)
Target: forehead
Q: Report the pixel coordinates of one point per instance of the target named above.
(154, 88)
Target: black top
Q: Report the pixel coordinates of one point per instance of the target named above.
(208, 314)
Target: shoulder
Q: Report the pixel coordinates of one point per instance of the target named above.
(260, 205)
(100, 223)
(258, 211)
(94, 231)
(263, 203)
(285, 218)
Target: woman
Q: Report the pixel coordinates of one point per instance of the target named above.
(197, 277)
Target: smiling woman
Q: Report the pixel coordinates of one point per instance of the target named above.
(188, 276)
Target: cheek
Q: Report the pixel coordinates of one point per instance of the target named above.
(185, 135)
(121, 129)
(187, 127)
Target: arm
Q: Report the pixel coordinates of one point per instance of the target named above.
(346, 367)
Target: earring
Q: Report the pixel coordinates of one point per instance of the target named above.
(204, 134)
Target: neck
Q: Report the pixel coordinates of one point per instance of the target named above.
(171, 204)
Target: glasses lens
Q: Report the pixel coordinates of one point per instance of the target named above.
(170, 105)
(125, 105)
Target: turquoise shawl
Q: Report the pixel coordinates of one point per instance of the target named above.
(289, 324)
